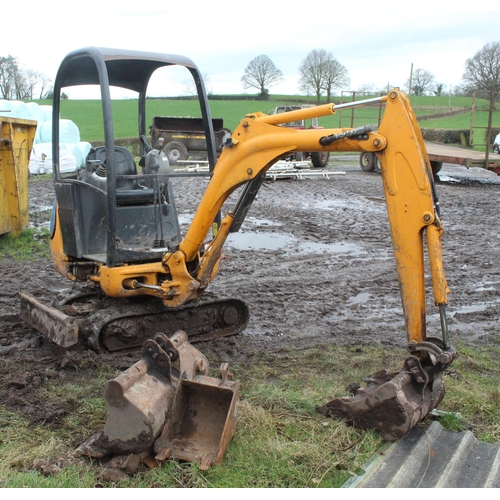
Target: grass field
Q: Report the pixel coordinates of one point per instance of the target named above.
(280, 441)
(88, 116)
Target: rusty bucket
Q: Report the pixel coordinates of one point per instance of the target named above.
(393, 402)
(167, 402)
(203, 420)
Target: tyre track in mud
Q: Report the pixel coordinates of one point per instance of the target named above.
(471, 245)
(320, 296)
(317, 298)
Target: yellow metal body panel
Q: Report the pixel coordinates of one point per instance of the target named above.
(16, 142)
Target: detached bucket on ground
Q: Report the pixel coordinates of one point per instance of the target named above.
(203, 421)
(166, 402)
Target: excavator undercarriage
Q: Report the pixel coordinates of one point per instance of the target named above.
(109, 324)
(117, 230)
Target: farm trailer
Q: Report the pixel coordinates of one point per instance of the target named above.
(443, 153)
(181, 137)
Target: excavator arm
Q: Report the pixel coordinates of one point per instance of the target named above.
(257, 143)
(413, 211)
(393, 402)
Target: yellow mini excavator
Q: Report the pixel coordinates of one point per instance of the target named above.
(116, 230)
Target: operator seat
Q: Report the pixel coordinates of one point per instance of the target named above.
(128, 191)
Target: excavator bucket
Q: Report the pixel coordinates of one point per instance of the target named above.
(203, 422)
(167, 402)
(393, 402)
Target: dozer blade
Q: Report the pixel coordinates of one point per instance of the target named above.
(168, 398)
(53, 324)
(392, 403)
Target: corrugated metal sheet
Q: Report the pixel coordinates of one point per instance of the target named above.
(433, 457)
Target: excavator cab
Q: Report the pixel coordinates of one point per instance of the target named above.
(85, 215)
(115, 214)
(114, 221)
(109, 212)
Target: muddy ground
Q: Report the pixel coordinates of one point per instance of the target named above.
(314, 263)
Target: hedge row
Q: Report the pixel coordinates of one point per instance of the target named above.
(461, 137)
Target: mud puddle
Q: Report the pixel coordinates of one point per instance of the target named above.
(288, 243)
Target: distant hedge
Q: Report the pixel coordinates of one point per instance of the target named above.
(132, 143)
(446, 136)
(461, 137)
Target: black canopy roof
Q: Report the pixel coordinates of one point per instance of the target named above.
(127, 69)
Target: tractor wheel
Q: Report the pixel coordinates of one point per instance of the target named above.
(320, 160)
(367, 161)
(436, 166)
(175, 151)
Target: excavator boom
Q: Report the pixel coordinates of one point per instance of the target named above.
(412, 205)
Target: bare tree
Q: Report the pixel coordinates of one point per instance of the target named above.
(367, 88)
(8, 69)
(320, 73)
(440, 89)
(189, 85)
(482, 72)
(45, 88)
(261, 73)
(422, 82)
(335, 76)
(20, 84)
(27, 84)
(460, 90)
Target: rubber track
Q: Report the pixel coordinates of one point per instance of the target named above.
(202, 322)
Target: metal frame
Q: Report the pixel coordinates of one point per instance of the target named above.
(130, 70)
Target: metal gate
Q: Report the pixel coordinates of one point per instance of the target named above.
(485, 139)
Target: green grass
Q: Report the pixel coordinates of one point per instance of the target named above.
(31, 244)
(463, 121)
(280, 440)
(88, 116)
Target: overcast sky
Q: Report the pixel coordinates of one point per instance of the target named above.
(376, 44)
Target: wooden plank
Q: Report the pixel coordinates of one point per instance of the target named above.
(460, 156)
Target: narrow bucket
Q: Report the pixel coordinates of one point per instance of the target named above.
(203, 421)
